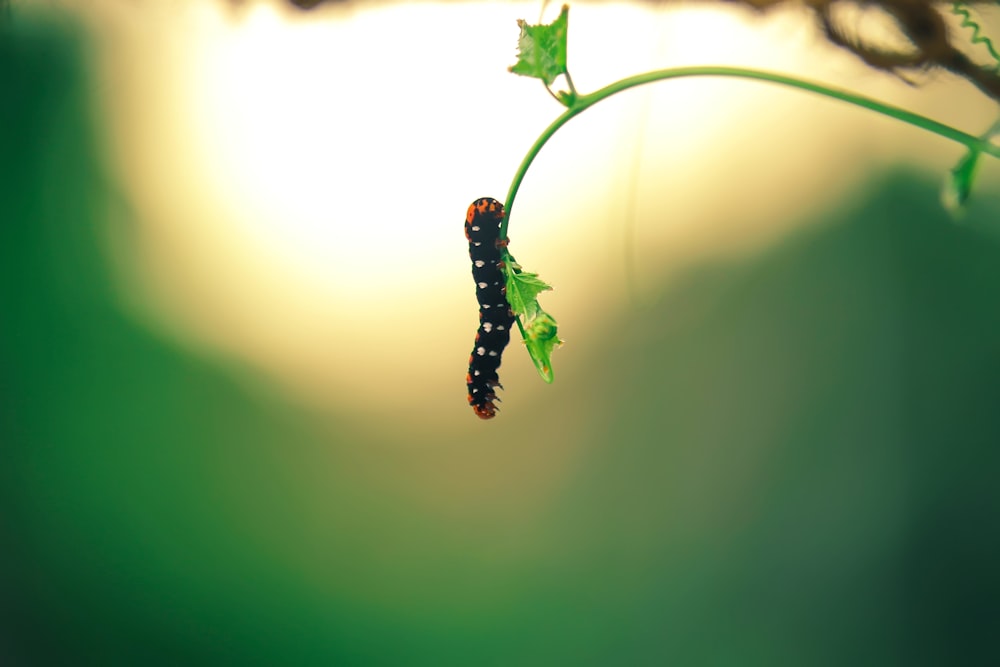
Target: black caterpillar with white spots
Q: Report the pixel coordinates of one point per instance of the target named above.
(482, 228)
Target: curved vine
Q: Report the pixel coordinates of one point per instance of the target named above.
(542, 54)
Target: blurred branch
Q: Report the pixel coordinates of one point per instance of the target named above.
(921, 24)
(924, 26)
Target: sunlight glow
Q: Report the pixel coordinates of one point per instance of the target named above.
(302, 180)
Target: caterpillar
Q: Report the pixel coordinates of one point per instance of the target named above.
(482, 229)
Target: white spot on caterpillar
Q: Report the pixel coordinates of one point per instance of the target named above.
(479, 263)
(475, 228)
(500, 327)
(493, 353)
(481, 351)
(488, 327)
(483, 285)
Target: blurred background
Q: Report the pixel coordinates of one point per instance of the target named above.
(235, 317)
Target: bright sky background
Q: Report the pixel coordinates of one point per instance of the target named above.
(299, 180)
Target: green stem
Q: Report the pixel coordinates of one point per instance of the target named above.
(583, 102)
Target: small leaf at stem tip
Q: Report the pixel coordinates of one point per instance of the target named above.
(541, 339)
(958, 183)
(568, 98)
(542, 48)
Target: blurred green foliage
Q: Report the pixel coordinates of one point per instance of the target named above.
(787, 461)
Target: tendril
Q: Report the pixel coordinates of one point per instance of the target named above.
(960, 9)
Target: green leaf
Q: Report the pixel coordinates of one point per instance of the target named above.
(539, 328)
(540, 337)
(542, 49)
(523, 290)
(958, 184)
